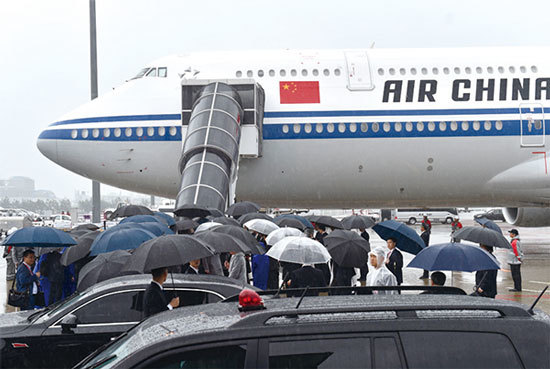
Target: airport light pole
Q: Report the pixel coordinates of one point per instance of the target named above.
(96, 194)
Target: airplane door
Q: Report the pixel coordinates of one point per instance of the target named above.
(359, 76)
(532, 128)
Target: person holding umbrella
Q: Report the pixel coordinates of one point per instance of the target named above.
(514, 259)
(381, 276)
(486, 280)
(306, 276)
(154, 300)
(394, 260)
(27, 281)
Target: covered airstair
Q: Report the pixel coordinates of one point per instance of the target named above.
(222, 121)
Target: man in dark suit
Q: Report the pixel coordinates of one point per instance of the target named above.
(425, 235)
(438, 279)
(194, 267)
(394, 260)
(26, 280)
(364, 269)
(306, 276)
(486, 280)
(154, 300)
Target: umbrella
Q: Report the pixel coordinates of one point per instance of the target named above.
(261, 226)
(141, 219)
(119, 238)
(290, 222)
(299, 250)
(165, 218)
(488, 224)
(312, 218)
(192, 211)
(329, 222)
(103, 267)
(357, 222)
(222, 242)
(300, 218)
(81, 250)
(240, 208)
(158, 229)
(79, 233)
(484, 236)
(216, 212)
(39, 237)
(129, 210)
(347, 248)
(226, 220)
(238, 232)
(206, 226)
(246, 217)
(281, 233)
(86, 226)
(166, 251)
(407, 239)
(454, 257)
(184, 225)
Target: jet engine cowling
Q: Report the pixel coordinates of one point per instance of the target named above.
(527, 217)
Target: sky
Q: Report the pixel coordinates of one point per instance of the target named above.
(45, 62)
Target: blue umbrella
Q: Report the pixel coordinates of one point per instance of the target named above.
(407, 239)
(165, 217)
(454, 257)
(302, 220)
(39, 237)
(119, 238)
(488, 224)
(158, 229)
(141, 219)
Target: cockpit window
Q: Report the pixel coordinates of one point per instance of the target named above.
(163, 71)
(141, 73)
(152, 72)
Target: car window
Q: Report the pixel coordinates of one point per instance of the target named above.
(342, 352)
(114, 308)
(214, 357)
(190, 297)
(459, 349)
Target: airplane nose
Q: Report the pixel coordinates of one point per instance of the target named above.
(47, 146)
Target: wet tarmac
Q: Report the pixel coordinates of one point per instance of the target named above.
(535, 269)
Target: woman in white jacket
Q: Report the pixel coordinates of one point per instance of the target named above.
(380, 276)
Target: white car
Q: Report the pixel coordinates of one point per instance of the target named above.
(62, 222)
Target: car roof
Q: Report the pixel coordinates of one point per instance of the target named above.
(280, 311)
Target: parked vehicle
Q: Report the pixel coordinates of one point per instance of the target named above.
(493, 214)
(338, 331)
(62, 222)
(62, 335)
(413, 216)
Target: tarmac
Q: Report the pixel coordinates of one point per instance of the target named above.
(535, 269)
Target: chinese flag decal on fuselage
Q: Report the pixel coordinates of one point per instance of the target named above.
(299, 92)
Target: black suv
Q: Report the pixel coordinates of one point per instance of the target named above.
(50, 337)
(338, 331)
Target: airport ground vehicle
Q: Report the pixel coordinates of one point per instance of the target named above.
(413, 216)
(343, 331)
(62, 221)
(493, 214)
(46, 338)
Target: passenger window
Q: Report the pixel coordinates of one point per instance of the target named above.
(214, 357)
(116, 308)
(163, 72)
(459, 350)
(342, 352)
(190, 298)
(152, 72)
(386, 354)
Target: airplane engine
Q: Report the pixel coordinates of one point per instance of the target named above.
(527, 217)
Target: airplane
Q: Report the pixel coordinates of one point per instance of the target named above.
(362, 128)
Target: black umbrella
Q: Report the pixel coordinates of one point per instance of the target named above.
(184, 225)
(329, 222)
(192, 211)
(484, 236)
(79, 233)
(226, 221)
(240, 208)
(488, 224)
(312, 218)
(357, 222)
(347, 248)
(81, 250)
(246, 217)
(103, 267)
(237, 232)
(166, 251)
(216, 212)
(129, 210)
(223, 242)
(290, 222)
(87, 226)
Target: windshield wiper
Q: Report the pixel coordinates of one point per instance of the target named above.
(39, 312)
(104, 361)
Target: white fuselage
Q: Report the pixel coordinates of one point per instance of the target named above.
(393, 127)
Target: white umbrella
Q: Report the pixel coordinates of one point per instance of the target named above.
(205, 226)
(281, 233)
(299, 250)
(262, 226)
